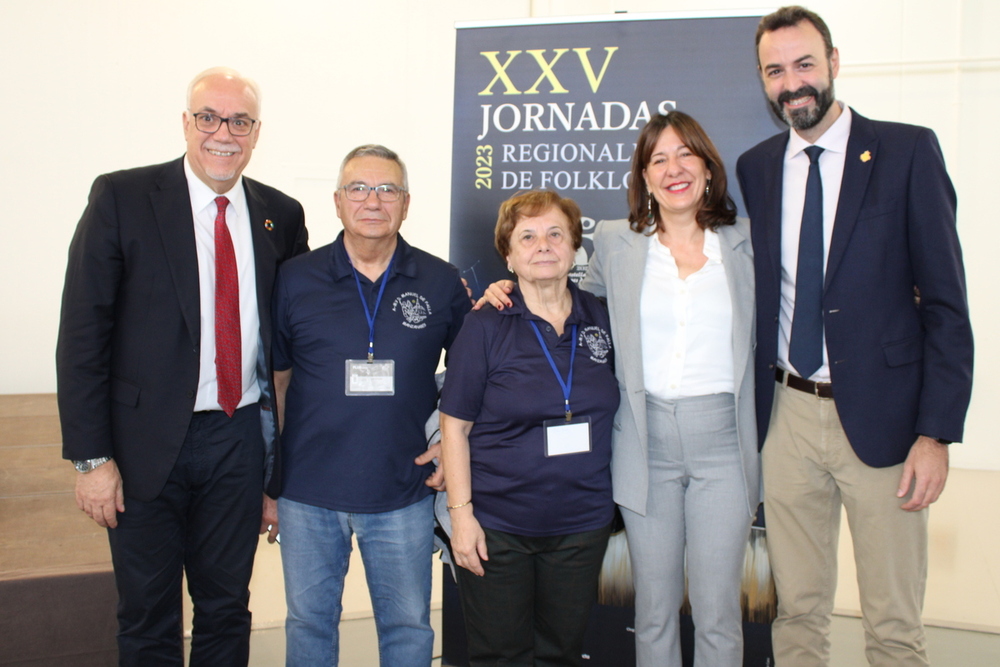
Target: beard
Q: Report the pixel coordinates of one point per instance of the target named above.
(804, 118)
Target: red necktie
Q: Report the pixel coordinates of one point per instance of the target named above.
(228, 345)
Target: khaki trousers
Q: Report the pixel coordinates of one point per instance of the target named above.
(809, 470)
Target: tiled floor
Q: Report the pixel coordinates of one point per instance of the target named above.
(36, 499)
(947, 648)
(358, 648)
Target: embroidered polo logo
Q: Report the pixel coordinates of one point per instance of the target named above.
(597, 341)
(415, 309)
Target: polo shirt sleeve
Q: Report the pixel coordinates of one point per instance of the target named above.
(281, 343)
(459, 306)
(465, 381)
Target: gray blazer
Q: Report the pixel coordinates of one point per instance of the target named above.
(616, 271)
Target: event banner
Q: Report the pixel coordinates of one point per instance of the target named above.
(560, 106)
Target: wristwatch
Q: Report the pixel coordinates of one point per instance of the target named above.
(90, 464)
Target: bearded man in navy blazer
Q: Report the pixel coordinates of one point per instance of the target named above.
(864, 347)
(166, 395)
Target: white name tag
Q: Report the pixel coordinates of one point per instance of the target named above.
(364, 378)
(567, 437)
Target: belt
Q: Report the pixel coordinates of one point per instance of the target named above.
(818, 389)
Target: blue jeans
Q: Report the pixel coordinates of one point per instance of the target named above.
(396, 549)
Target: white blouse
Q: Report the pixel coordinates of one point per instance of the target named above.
(686, 325)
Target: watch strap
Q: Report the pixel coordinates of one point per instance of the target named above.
(89, 464)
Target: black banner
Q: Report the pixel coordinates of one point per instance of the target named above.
(560, 106)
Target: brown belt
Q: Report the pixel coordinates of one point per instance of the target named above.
(819, 389)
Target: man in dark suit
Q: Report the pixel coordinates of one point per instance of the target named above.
(863, 322)
(165, 387)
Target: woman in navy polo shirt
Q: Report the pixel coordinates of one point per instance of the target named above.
(526, 419)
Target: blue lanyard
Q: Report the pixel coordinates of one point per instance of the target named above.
(566, 385)
(364, 302)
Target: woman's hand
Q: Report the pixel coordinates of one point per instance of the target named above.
(468, 541)
(496, 294)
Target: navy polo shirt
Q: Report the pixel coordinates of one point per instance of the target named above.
(355, 453)
(498, 378)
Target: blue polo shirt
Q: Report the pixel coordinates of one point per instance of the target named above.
(355, 453)
(498, 378)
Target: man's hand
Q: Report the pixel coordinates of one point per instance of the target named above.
(496, 294)
(926, 469)
(435, 481)
(99, 494)
(269, 519)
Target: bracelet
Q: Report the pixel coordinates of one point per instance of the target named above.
(455, 507)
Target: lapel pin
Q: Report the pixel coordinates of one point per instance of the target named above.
(269, 226)
(867, 155)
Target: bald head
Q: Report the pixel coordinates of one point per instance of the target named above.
(223, 73)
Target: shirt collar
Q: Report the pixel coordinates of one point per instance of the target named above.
(404, 259)
(711, 247)
(580, 314)
(202, 195)
(833, 140)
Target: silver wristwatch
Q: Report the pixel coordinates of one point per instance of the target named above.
(90, 464)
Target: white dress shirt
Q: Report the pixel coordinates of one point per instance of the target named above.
(793, 201)
(686, 326)
(203, 209)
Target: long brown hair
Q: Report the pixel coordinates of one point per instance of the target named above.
(717, 208)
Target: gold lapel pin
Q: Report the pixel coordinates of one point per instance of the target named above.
(269, 226)
(867, 155)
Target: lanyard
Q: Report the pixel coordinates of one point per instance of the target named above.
(566, 385)
(368, 314)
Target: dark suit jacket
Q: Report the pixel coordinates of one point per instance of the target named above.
(128, 352)
(898, 368)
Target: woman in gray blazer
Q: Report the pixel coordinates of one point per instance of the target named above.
(678, 277)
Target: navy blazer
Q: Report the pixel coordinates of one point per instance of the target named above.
(901, 366)
(127, 358)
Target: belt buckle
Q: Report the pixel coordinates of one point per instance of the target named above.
(817, 388)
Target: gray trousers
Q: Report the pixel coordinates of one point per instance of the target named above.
(696, 504)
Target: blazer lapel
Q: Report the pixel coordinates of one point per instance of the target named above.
(773, 168)
(172, 209)
(852, 189)
(738, 262)
(625, 283)
(263, 255)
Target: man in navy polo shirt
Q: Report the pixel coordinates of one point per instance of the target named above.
(359, 326)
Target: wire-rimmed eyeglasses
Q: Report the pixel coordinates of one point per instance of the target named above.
(359, 191)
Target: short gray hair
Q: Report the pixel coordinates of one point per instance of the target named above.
(223, 71)
(374, 150)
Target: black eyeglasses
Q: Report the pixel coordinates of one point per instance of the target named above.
(359, 191)
(209, 123)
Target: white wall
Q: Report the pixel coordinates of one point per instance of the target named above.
(91, 86)
(95, 86)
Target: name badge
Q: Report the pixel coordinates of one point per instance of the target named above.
(369, 378)
(567, 437)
